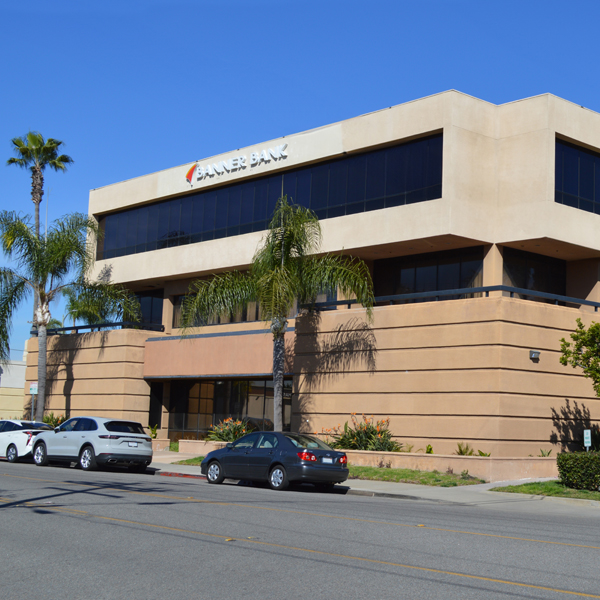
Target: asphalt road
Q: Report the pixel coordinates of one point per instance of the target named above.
(67, 534)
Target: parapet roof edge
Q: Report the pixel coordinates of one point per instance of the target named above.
(307, 131)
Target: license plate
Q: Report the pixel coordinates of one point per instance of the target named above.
(133, 444)
(328, 461)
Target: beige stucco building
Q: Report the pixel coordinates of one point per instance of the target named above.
(446, 198)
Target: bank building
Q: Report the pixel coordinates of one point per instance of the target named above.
(480, 224)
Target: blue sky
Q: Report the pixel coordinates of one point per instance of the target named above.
(137, 86)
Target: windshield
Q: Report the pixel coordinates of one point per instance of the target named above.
(306, 441)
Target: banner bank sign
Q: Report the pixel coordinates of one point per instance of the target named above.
(237, 163)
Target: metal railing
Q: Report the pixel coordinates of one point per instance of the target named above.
(99, 326)
(464, 292)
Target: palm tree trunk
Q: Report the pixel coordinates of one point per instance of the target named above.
(278, 368)
(42, 349)
(37, 191)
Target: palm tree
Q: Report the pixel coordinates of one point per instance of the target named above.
(35, 153)
(284, 269)
(45, 266)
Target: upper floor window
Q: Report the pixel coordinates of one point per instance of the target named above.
(402, 174)
(435, 271)
(577, 177)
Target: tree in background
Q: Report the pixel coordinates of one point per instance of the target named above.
(44, 267)
(284, 270)
(34, 153)
(584, 352)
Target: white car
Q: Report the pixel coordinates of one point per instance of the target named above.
(17, 437)
(94, 442)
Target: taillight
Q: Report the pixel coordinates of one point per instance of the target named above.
(309, 456)
(29, 437)
(343, 460)
(109, 437)
(146, 439)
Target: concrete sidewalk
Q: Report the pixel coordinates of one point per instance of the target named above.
(163, 464)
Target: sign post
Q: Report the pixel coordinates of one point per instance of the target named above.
(587, 439)
(33, 390)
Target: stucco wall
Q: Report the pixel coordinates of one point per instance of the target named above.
(97, 374)
(446, 372)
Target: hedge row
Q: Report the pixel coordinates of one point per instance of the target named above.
(579, 470)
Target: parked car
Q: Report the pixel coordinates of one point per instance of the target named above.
(17, 437)
(278, 458)
(94, 442)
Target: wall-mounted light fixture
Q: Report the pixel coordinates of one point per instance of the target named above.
(534, 355)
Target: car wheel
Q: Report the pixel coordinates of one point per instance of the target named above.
(278, 478)
(40, 456)
(11, 454)
(214, 474)
(87, 459)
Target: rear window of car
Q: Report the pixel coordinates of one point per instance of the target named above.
(306, 441)
(28, 425)
(124, 427)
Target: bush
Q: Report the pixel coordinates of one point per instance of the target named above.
(228, 430)
(53, 421)
(579, 470)
(364, 435)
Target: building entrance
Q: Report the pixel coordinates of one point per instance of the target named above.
(195, 405)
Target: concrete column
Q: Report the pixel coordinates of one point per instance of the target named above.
(167, 315)
(493, 267)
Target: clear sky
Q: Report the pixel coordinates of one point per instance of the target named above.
(136, 86)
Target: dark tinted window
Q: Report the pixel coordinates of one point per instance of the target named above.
(151, 304)
(577, 177)
(534, 272)
(451, 270)
(124, 427)
(402, 174)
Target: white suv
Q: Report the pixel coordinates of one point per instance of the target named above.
(93, 442)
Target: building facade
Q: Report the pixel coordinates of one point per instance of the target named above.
(481, 227)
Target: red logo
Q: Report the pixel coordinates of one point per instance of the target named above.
(190, 173)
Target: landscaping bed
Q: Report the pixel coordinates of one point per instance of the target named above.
(549, 488)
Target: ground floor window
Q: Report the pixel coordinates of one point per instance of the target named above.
(195, 405)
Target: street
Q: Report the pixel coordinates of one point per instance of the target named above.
(67, 534)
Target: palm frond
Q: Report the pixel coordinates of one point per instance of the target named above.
(337, 272)
(211, 298)
(13, 290)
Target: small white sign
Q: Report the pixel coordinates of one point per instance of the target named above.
(587, 437)
(33, 387)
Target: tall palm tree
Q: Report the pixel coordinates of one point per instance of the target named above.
(34, 153)
(284, 269)
(44, 267)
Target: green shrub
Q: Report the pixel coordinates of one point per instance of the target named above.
(54, 421)
(579, 470)
(429, 449)
(464, 449)
(153, 431)
(228, 430)
(367, 434)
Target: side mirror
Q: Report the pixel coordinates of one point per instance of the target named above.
(229, 445)
(56, 429)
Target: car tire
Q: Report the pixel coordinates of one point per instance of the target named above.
(214, 473)
(11, 454)
(87, 459)
(40, 455)
(278, 478)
